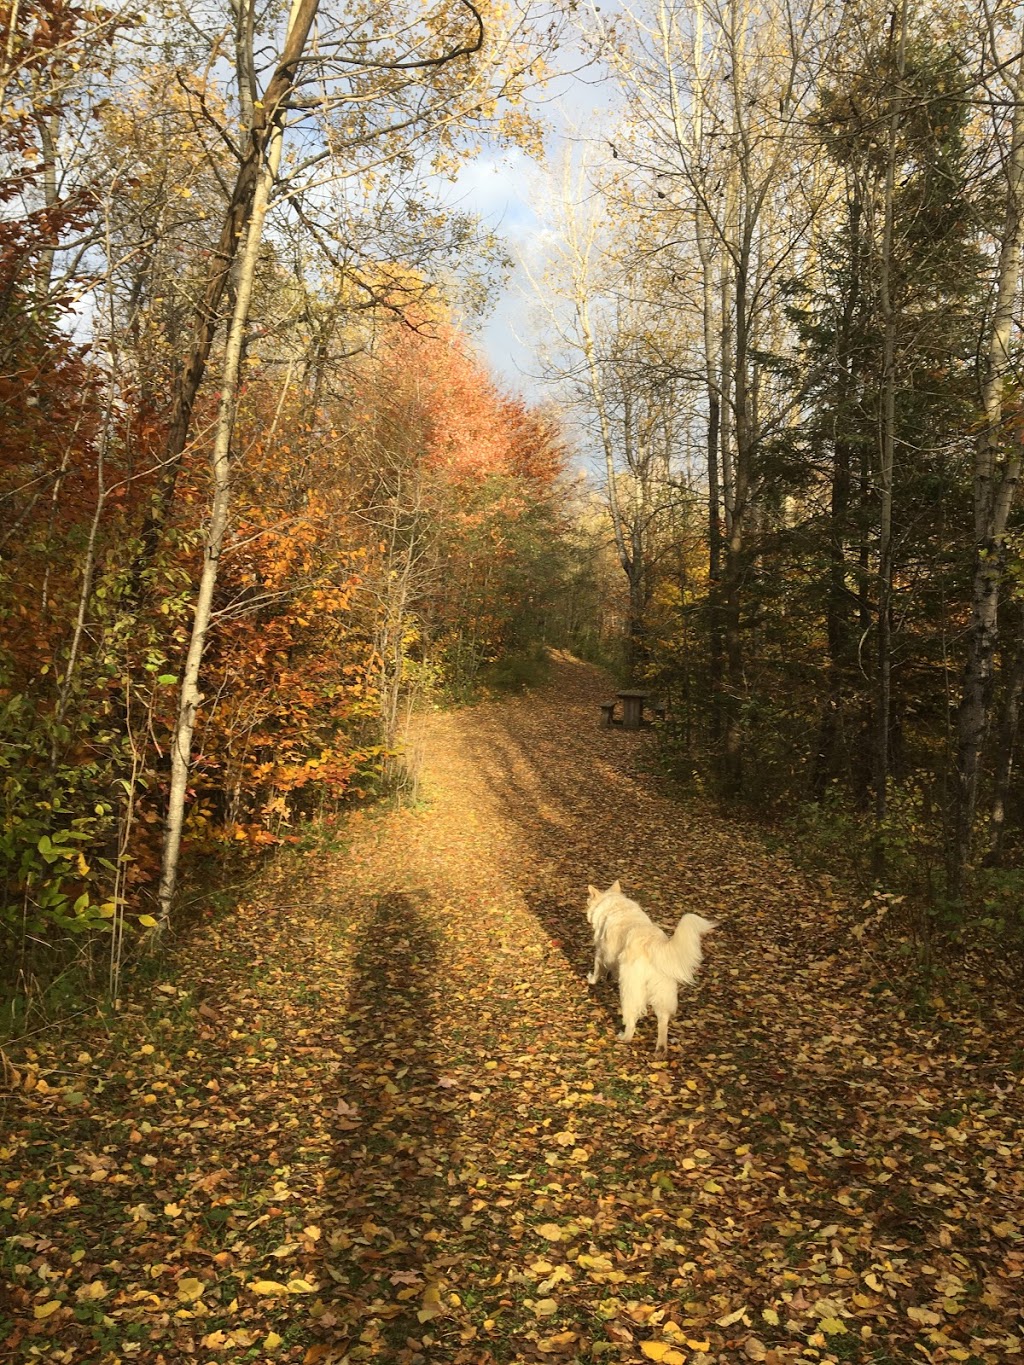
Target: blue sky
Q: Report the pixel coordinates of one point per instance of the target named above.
(506, 189)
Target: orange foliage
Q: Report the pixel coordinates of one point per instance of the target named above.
(473, 430)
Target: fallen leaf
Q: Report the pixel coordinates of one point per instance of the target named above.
(551, 1231)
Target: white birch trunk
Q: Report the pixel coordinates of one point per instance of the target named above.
(886, 444)
(190, 697)
(996, 476)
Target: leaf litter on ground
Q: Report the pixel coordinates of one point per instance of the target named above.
(377, 1114)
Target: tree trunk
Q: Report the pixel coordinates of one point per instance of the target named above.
(886, 450)
(838, 625)
(996, 473)
(190, 696)
(714, 401)
(736, 547)
(1013, 686)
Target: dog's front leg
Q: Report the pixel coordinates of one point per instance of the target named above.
(595, 976)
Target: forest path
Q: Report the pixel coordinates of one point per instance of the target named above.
(377, 1113)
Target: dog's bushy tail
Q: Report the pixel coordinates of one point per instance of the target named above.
(683, 953)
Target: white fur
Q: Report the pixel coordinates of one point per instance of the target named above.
(650, 965)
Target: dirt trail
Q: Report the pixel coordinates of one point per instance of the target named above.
(379, 1114)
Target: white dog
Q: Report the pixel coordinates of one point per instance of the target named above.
(649, 964)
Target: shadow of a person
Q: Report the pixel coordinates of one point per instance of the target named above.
(393, 1143)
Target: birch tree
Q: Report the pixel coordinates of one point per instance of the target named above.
(716, 100)
(267, 146)
(621, 369)
(997, 466)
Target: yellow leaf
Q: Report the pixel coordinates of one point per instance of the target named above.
(594, 1262)
(299, 1286)
(189, 1290)
(545, 1308)
(663, 1351)
(148, 921)
(655, 1350)
(43, 1310)
(559, 1342)
(272, 1341)
(797, 1163)
(702, 1345)
(770, 1316)
(267, 1287)
(924, 1316)
(430, 1304)
(730, 1318)
(551, 1231)
(832, 1327)
(92, 1292)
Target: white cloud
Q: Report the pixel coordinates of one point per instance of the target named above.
(505, 188)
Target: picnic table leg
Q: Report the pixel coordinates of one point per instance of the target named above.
(632, 710)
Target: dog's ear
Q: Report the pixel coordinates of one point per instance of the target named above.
(615, 889)
(592, 893)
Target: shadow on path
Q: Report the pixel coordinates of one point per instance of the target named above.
(394, 1141)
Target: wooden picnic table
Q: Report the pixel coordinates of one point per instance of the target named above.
(632, 699)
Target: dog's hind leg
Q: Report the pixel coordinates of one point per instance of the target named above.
(632, 1002)
(662, 1043)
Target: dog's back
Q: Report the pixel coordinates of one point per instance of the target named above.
(650, 965)
(622, 930)
(624, 933)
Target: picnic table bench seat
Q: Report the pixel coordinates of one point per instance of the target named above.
(633, 704)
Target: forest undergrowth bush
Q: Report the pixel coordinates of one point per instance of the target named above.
(907, 903)
(893, 875)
